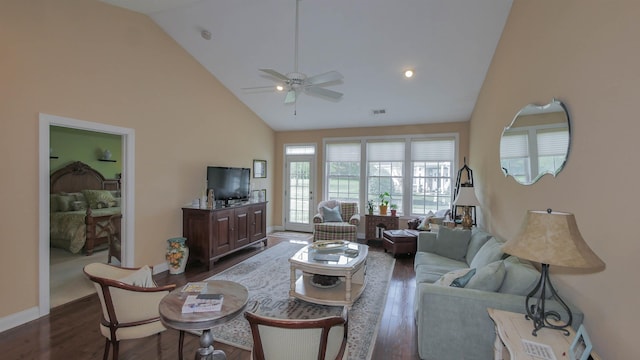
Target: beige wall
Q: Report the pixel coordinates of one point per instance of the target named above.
(586, 54)
(316, 137)
(90, 61)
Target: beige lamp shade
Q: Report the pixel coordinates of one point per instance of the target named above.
(466, 197)
(552, 238)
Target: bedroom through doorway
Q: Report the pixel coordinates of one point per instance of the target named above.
(82, 165)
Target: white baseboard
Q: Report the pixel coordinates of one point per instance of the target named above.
(19, 318)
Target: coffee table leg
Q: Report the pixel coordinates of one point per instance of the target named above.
(206, 351)
(348, 288)
(292, 290)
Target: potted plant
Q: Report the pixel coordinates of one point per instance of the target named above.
(384, 202)
(370, 206)
(393, 208)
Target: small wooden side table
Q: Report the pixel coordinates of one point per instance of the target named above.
(234, 301)
(512, 328)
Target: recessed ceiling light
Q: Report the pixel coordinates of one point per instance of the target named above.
(408, 73)
(279, 87)
(205, 34)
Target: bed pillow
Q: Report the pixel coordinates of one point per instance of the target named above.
(65, 201)
(142, 278)
(332, 215)
(98, 199)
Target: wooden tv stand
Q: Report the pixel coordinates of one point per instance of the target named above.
(214, 233)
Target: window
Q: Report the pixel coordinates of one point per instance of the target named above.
(385, 171)
(514, 155)
(342, 162)
(552, 149)
(416, 171)
(432, 163)
(300, 150)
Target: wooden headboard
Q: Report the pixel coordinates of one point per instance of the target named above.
(79, 176)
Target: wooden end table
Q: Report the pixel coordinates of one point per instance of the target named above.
(512, 328)
(235, 299)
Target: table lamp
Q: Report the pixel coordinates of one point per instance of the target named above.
(550, 238)
(466, 198)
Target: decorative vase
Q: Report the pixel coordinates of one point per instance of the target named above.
(106, 155)
(393, 212)
(177, 254)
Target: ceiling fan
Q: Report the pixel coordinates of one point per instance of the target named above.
(295, 82)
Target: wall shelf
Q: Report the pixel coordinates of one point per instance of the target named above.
(107, 160)
(53, 157)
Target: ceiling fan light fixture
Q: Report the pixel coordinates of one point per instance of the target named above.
(279, 87)
(408, 73)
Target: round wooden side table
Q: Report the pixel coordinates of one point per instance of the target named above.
(235, 300)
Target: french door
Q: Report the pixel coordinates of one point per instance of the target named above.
(299, 192)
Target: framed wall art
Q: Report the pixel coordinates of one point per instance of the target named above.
(259, 168)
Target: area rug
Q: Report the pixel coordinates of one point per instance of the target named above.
(266, 276)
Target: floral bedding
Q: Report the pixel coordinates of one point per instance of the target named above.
(67, 216)
(68, 230)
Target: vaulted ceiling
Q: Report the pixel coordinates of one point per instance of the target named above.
(447, 43)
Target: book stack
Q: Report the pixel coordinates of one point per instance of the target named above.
(203, 301)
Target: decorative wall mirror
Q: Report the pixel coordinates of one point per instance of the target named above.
(536, 142)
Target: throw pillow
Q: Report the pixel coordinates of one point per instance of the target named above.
(424, 224)
(462, 281)
(332, 215)
(521, 277)
(98, 199)
(78, 205)
(489, 252)
(452, 243)
(448, 278)
(141, 278)
(488, 278)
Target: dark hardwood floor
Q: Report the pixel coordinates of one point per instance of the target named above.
(71, 331)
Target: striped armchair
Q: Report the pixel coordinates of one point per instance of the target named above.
(347, 229)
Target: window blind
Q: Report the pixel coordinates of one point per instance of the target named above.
(433, 150)
(343, 152)
(385, 151)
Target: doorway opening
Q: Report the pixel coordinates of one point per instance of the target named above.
(127, 198)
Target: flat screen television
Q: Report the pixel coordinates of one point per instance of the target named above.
(228, 183)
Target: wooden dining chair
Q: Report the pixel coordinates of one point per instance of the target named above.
(129, 299)
(298, 339)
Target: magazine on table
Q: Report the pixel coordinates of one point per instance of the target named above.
(195, 287)
(202, 303)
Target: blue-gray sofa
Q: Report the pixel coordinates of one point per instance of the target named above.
(452, 321)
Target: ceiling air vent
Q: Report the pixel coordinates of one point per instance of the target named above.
(379, 112)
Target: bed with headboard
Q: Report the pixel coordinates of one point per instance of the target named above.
(82, 203)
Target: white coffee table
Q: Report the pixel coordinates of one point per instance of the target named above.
(350, 270)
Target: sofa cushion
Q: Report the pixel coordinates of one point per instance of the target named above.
(488, 278)
(489, 252)
(520, 278)
(332, 215)
(478, 239)
(452, 243)
(437, 261)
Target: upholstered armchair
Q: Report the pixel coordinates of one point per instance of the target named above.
(298, 339)
(336, 220)
(129, 299)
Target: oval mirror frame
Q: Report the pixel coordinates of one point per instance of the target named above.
(536, 142)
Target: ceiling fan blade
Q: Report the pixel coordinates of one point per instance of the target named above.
(315, 90)
(291, 97)
(272, 87)
(324, 78)
(275, 74)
